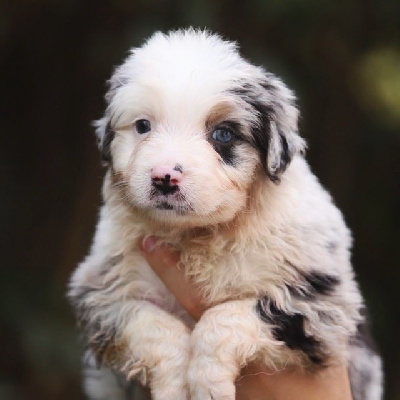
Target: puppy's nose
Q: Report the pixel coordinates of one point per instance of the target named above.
(166, 178)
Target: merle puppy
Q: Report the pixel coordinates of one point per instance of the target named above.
(203, 151)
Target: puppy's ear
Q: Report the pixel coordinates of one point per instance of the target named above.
(105, 136)
(283, 144)
(276, 132)
(104, 129)
(280, 115)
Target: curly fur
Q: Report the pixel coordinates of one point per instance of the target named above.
(257, 233)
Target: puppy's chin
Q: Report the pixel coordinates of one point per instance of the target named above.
(183, 217)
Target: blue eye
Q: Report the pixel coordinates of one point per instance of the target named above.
(142, 126)
(223, 135)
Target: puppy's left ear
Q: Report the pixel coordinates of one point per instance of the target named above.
(278, 136)
(283, 144)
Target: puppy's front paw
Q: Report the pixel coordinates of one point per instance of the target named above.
(222, 341)
(168, 377)
(209, 380)
(175, 389)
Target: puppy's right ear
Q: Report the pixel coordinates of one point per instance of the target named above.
(105, 135)
(104, 130)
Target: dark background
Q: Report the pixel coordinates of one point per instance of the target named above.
(341, 57)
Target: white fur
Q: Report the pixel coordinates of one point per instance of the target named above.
(241, 236)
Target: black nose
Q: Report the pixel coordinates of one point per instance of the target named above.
(165, 179)
(164, 185)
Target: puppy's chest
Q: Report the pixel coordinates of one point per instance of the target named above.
(219, 274)
(233, 273)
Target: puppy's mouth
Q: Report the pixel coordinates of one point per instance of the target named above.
(175, 202)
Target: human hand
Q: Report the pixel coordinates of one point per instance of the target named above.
(255, 382)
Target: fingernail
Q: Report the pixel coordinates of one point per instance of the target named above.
(148, 244)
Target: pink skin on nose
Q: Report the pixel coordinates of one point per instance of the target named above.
(159, 174)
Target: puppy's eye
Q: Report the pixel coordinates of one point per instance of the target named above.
(142, 126)
(223, 135)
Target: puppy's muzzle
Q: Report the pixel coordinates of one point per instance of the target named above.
(166, 179)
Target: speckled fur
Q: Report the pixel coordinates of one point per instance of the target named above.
(258, 236)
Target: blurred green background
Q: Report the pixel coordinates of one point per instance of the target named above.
(341, 57)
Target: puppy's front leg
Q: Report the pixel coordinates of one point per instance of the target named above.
(225, 339)
(134, 336)
(160, 342)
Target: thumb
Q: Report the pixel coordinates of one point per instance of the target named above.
(164, 262)
(159, 256)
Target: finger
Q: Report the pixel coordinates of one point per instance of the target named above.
(164, 262)
(160, 257)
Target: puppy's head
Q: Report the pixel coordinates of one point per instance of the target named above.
(190, 125)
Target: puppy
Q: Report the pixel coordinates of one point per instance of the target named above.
(203, 151)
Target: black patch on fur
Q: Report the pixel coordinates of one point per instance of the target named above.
(109, 135)
(260, 132)
(322, 283)
(285, 155)
(312, 284)
(227, 150)
(178, 168)
(289, 328)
